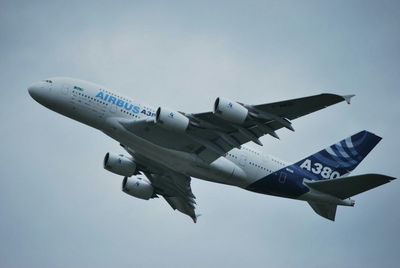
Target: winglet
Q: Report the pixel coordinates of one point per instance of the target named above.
(347, 98)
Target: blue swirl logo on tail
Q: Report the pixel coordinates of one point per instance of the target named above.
(340, 158)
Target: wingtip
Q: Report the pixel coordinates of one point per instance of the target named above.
(348, 98)
(195, 218)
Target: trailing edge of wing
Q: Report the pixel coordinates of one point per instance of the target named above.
(176, 190)
(182, 206)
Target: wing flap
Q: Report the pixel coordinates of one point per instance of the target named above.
(182, 206)
(176, 190)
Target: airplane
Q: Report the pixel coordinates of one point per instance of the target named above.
(165, 148)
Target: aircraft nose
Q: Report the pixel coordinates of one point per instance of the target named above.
(34, 91)
(43, 93)
(37, 92)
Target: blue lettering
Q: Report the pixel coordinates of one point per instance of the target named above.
(136, 109)
(112, 99)
(120, 103)
(128, 106)
(100, 95)
(123, 104)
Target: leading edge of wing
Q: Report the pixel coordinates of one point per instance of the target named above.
(295, 108)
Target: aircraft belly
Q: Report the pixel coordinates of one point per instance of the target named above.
(220, 171)
(279, 183)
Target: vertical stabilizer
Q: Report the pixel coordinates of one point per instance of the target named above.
(340, 158)
(327, 211)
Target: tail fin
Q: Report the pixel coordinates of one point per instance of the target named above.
(327, 211)
(340, 158)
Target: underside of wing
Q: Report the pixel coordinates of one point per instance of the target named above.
(173, 186)
(176, 190)
(229, 131)
(231, 124)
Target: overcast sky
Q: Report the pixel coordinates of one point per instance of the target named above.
(60, 208)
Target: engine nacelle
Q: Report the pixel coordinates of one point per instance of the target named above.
(171, 120)
(230, 111)
(139, 187)
(119, 164)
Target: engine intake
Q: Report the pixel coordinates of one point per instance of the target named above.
(139, 187)
(119, 164)
(171, 120)
(230, 111)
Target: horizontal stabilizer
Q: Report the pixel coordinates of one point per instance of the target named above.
(327, 211)
(346, 187)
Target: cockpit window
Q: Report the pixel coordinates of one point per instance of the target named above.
(78, 88)
(48, 81)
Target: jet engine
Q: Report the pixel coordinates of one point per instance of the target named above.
(138, 187)
(230, 111)
(119, 164)
(171, 120)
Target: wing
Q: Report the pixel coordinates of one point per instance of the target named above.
(263, 119)
(295, 108)
(209, 136)
(173, 186)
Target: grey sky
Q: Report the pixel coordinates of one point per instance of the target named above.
(60, 208)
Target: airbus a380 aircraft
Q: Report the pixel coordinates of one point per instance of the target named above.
(166, 147)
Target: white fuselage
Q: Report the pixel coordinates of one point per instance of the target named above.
(102, 109)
